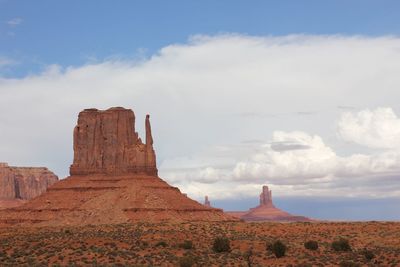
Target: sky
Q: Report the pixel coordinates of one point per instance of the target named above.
(299, 95)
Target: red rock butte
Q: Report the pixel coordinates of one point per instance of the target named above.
(106, 142)
(19, 184)
(266, 211)
(113, 179)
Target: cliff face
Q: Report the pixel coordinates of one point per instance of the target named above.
(105, 142)
(24, 183)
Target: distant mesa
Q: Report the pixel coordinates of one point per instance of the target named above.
(19, 184)
(113, 179)
(267, 211)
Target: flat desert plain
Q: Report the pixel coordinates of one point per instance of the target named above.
(191, 244)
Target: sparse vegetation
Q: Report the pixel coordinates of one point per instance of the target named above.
(368, 254)
(341, 244)
(135, 245)
(311, 245)
(67, 231)
(187, 244)
(248, 256)
(161, 244)
(278, 248)
(221, 244)
(349, 264)
(187, 261)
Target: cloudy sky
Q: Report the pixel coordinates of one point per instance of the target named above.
(303, 98)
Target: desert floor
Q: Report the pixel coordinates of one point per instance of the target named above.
(147, 244)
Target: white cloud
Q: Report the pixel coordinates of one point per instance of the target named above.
(378, 128)
(314, 164)
(306, 167)
(15, 22)
(316, 160)
(196, 92)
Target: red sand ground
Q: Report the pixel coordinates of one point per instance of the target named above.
(148, 244)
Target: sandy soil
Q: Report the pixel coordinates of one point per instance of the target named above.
(145, 244)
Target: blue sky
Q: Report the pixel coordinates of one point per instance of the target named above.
(299, 95)
(73, 32)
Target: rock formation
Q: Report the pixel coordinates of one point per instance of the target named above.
(106, 142)
(18, 184)
(113, 180)
(266, 197)
(207, 202)
(266, 211)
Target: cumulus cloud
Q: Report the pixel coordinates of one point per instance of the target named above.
(307, 166)
(318, 161)
(314, 160)
(195, 91)
(378, 128)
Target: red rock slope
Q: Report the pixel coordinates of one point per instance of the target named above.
(113, 180)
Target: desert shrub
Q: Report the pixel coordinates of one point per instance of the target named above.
(368, 254)
(67, 231)
(341, 245)
(187, 244)
(162, 244)
(112, 253)
(311, 245)
(349, 264)
(248, 256)
(186, 261)
(221, 244)
(31, 261)
(278, 248)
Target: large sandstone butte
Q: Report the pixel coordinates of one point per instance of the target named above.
(267, 211)
(19, 184)
(105, 142)
(113, 180)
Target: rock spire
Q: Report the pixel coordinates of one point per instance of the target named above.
(266, 197)
(207, 202)
(267, 211)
